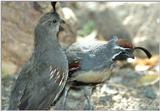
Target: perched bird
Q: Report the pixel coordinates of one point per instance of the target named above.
(43, 78)
(92, 63)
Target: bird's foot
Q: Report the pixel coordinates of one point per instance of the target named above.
(87, 94)
(89, 106)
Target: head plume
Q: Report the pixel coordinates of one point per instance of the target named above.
(149, 55)
(54, 5)
(125, 44)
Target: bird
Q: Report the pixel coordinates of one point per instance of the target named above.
(44, 76)
(97, 57)
(91, 62)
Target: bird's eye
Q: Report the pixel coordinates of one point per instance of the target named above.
(54, 21)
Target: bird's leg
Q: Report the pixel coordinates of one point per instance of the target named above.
(87, 94)
(67, 87)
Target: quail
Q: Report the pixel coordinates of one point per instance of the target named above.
(92, 63)
(89, 63)
(44, 76)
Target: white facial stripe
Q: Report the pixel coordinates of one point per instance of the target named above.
(118, 47)
(115, 55)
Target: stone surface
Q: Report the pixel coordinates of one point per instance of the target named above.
(143, 23)
(105, 20)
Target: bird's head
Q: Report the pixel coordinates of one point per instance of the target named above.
(50, 22)
(123, 50)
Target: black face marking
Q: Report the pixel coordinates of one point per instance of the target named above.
(123, 54)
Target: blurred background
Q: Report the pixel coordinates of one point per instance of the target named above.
(134, 86)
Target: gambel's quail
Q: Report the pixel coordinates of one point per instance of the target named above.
(43, 78)
(89, 64)
(93, 62)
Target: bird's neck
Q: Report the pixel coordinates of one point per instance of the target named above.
(104, 50)
(45, 46)
(45, 38)
(45, 41)
(103, 56)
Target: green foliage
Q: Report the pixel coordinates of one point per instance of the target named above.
(5, 71)
(8, 68)
(87, 28)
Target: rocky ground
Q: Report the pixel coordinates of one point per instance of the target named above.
(133, 86)
(126, 90)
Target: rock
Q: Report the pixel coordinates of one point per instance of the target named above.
(108, 90)
(68, 36)
(117, 98)
(149, 92)
(105, 100)
(127, 77)
(142, 21)
(106, 21)
(18, 20)
(108, 24)
(76, 100)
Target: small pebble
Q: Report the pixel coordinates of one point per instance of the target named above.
(117, 98)
(111, 91)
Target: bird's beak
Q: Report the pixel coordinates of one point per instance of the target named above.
(124, 55)
(62, 22)
(128, 55)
